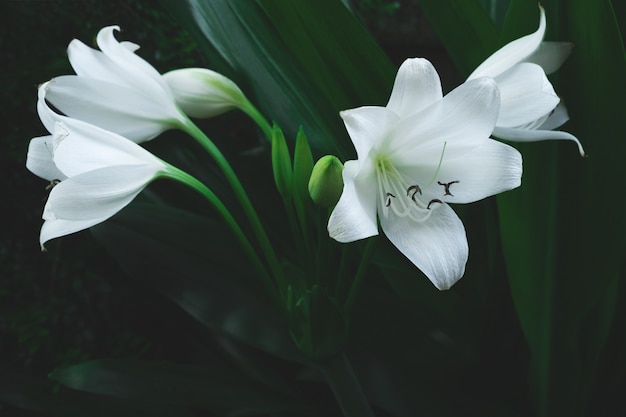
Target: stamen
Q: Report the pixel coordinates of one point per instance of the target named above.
(435, 200)
(388, 203)
(416, 189)
(446, 186)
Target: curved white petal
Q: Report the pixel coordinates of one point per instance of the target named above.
(97, 194)
(143, 75)
(113, 107)
(524, 135)
(526, 95)
(417, 86)
(487, 170)
(94, 64)
(437, 246)
(512, 53)
(51, 229)
(462, 120)
(551, 55)
(86, 147)
(557, 118)
(354, 216)
(39, 159)
(367, 126)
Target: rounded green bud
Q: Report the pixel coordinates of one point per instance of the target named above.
(203, 93)
(326, 182)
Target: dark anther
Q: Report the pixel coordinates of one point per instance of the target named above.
(416, 189)
(436, 200)
(388, 202)
(446, 187)
(52, 184)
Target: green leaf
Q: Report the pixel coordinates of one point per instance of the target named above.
(212, 386)
(564, 243)
(193, 261)
(465, 29)
(274, 52)
(39, 394)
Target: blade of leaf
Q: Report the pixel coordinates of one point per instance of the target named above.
(199, 268)
(211, 386)
(465, 29)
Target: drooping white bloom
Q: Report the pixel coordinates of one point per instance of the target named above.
(203, 93)
(115, 89)
(417, 154)
(97, 173)
(530, 108)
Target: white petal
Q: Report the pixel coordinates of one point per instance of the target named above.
(487, 170)
(512, 53)
(417, 86)
(354, 216)
(113, 107)
(367, 126)
(86, 147)
(557, 118)
(524, 135)
(143, 75)
(526, 95)
(437, 246)
(462, 120)
(97, 194)
(52, 229)
(551, 55)
(39, 159)
(91, 63)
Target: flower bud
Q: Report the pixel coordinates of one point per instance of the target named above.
(203, 93)
(281, 162)
(326, 183)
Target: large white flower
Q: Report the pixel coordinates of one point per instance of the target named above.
(96, 173)
(115, 89)
(530, 108)
(417, 154)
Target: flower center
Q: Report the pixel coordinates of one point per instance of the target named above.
(402, 198)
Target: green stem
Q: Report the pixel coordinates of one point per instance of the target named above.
(360, 274)
(244, 200)
(249, 109)
(192, 182)
(346, 387)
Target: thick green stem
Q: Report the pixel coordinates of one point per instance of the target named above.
(249, 109)
(243, 199)
(346, 387)
(192, 182)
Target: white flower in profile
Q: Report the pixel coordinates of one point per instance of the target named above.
(415, 156)
(530, 109)
(96, 173)
(115, 89)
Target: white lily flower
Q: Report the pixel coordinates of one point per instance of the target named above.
(204, 93)
(417, 154)
(100, 173)
(530, 108)
(115, 89)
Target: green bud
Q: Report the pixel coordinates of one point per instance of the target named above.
(302, 165)
(281, 162)
(326, 183)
